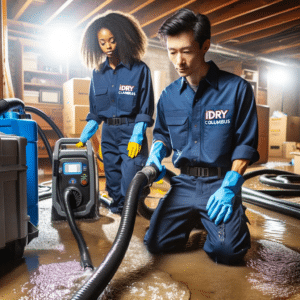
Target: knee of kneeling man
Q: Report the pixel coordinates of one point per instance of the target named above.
(153, 248)
(227, 254)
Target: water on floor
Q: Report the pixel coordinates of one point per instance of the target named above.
(51, 267)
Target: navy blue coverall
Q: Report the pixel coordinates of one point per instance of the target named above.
(211, 127)
(125, 93)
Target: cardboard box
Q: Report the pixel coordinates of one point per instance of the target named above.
(76, 91)
(263, 132)
(287, 148)
(284, 129)
(31, 96)
(53, 111)
(30, 61)
(296, 162)
(74, 118)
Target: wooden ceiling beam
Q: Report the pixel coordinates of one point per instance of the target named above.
(281, 45)
(156, 11)
(286, 53)
(58, 11)
(257, 26)
(205, 8)
(254, 17)
(240, 9)
(258, 16)
(140, 6)
(19, 8)
(281, 48)
(93, 12)
(126, 6)
(265, 33)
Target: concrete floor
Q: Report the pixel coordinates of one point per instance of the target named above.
(51, 268)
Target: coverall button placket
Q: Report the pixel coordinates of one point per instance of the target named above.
(195, 128)
(114, 94)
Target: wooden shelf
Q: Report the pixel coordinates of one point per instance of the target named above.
(40, 85)
(35, 72)
(46, 73)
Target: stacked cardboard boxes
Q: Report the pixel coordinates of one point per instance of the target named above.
(283, 129)
(288, 148)
(296, 162)
(76, 105)
(76, 108)
(263, 132)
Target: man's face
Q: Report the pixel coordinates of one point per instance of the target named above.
(185, 53)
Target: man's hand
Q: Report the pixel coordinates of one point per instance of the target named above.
(157, 154)
(220, 204)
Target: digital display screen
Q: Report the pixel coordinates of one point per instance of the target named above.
(72, 168)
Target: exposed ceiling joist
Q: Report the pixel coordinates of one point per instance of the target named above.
(258, 25)
(241, 9)
(254, 26)
(92, 13)
(20, 8)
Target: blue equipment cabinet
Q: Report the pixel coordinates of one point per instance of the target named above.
(14, 123)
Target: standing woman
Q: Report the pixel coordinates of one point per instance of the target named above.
(121, 96)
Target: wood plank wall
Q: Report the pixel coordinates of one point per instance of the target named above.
(6, 87)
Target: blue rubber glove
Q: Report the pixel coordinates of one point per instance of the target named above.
(138, 133)
(157, 154)
(220, 204)
(88, 131)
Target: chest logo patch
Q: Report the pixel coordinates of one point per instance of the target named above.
(126, 90)
(215, 117)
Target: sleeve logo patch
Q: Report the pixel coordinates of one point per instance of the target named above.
(214, 117)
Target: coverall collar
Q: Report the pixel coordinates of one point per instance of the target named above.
(106, 65)
(211, 77)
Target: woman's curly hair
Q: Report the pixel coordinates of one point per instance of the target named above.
(130, 38)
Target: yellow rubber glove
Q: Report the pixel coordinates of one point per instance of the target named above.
(80, 145)
(133, 149)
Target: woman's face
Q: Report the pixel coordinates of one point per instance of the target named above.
(107, 42)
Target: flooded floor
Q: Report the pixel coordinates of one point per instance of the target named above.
(50, 268)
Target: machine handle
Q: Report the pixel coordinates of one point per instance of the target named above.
(67, 141)
(70, 141)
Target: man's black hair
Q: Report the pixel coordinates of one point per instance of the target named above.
(186, 20)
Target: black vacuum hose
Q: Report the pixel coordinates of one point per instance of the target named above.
(264, 200)
(66, 205)
(246, 192)
(144, 210)
(265, 171)
(271, 205)
(104, 273)
(283, 182)
(84, 254)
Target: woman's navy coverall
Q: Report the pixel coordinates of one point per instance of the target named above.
(121, 98)
(209, 128)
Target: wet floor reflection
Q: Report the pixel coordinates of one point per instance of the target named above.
(54, 281)
(277, 269)
(51, 265)
(274, 230)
